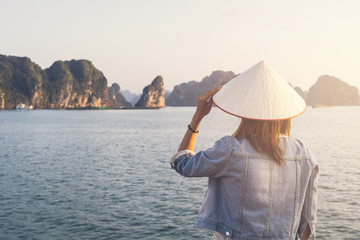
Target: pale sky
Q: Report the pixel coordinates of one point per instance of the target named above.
(133, 41)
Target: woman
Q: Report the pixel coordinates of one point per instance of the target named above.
(262, 182)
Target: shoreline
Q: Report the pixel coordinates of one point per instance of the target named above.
(84, 109)
(140, 108)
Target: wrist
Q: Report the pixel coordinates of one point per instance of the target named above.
(195, 123)
(196, 118)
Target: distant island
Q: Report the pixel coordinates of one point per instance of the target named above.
(153, 95)
(77, 84)
(186, 94)
(331, 91)
(327, 91)
(74, 84)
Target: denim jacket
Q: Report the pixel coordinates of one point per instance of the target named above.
(249, 195)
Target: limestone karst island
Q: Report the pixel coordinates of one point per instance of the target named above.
(74, 84)
(78, 84)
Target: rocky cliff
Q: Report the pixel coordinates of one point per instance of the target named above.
(66, 84)
(23, 81)
(332, 91)
(2, 100)
(153, 95)
(117, 100)
(76, 84)
(186, 94)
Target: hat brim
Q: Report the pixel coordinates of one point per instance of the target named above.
(260, 93)
(212, 98)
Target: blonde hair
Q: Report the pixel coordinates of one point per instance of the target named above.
(264, 135)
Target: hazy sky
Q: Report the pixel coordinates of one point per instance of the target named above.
(133, 41)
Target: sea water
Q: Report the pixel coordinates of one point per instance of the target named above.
(106, 174)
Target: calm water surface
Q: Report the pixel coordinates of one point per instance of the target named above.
(106, 174)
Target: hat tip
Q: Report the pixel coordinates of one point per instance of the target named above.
(263, 62)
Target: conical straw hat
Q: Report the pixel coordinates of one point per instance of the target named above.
(260, 93)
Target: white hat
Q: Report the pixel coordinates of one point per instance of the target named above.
(260, 93)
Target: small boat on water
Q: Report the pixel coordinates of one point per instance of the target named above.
(22, 106)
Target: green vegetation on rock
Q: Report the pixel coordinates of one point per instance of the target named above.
(74, 84)
(21, 80)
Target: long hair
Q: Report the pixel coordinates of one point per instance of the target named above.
(264, 135)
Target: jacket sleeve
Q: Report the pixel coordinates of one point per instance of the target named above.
(212, 162)
(309, 209)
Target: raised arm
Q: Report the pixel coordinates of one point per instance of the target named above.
(203, 108)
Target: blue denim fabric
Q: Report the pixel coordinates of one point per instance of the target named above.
(249, 196)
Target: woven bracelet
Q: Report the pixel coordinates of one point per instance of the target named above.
(192, 129)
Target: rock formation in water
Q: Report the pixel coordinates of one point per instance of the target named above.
(153, 95)
(331, 91)
(116, 98)
(22, 81)
(77, 84)
(186, 94)
(66, 84)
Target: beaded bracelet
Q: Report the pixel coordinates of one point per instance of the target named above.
(192, 129)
